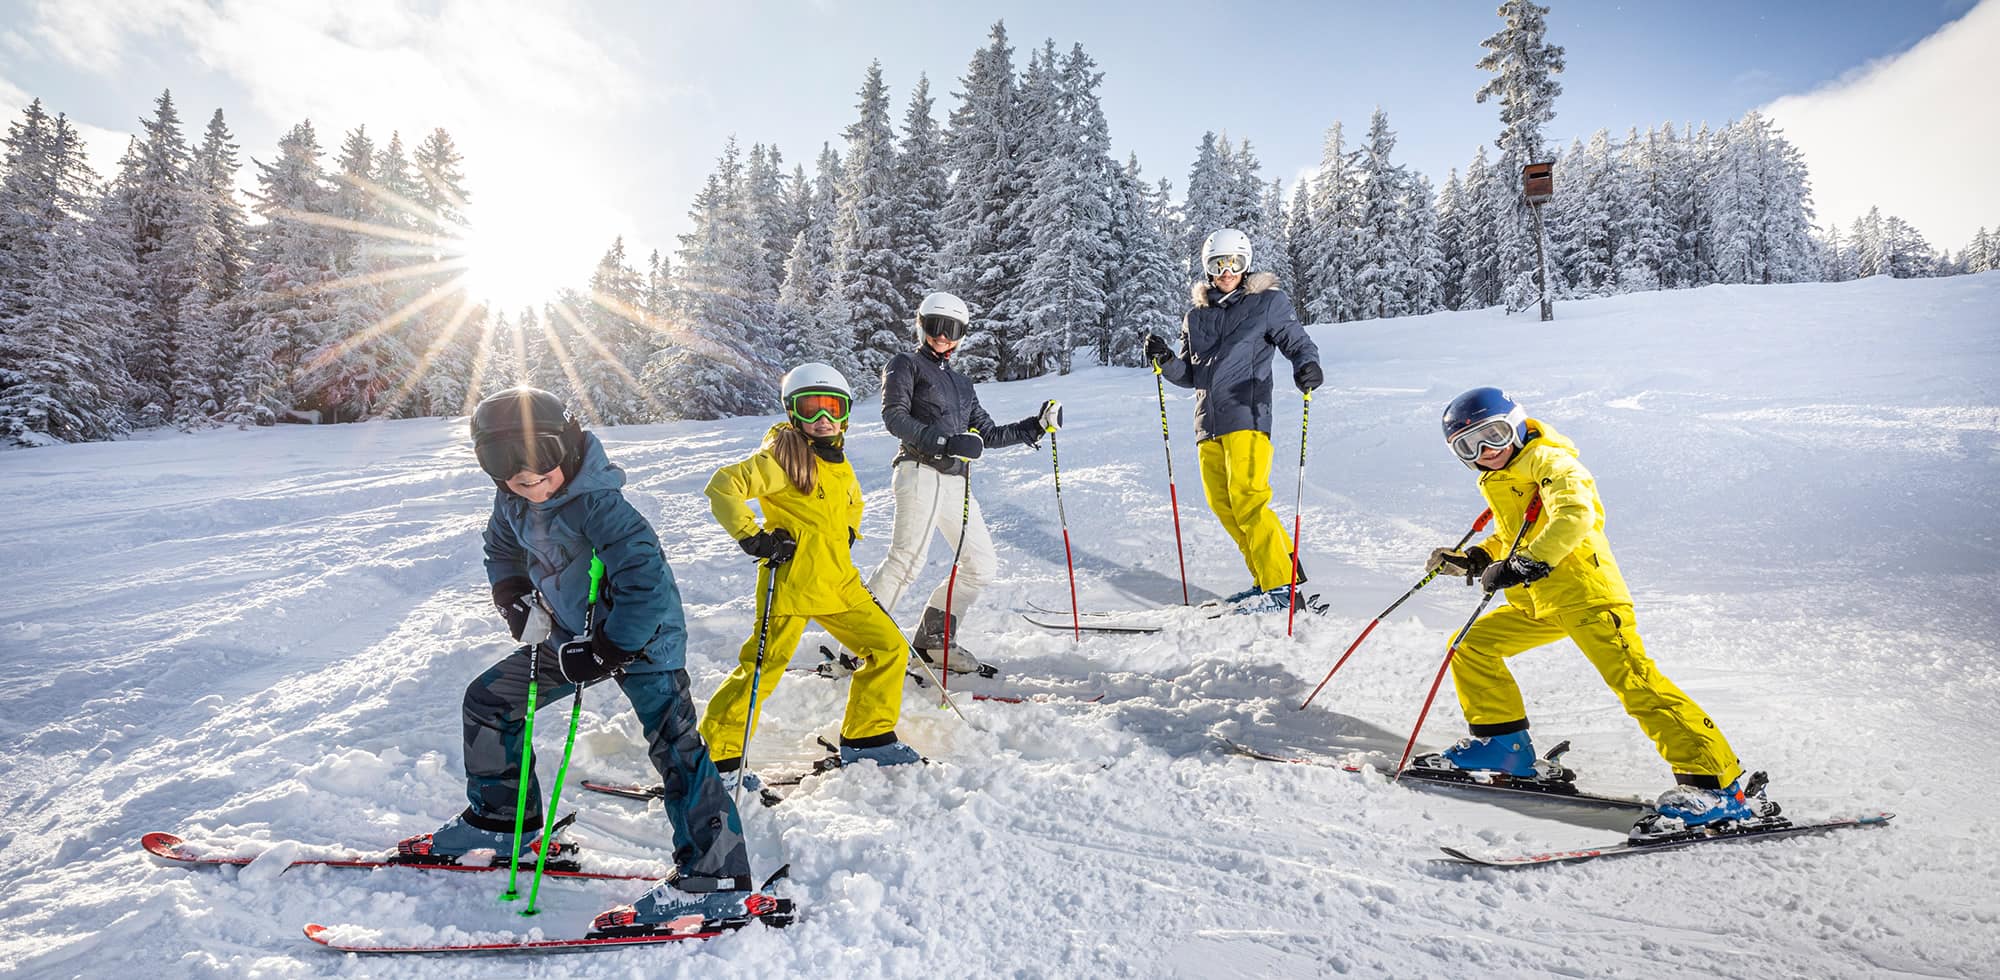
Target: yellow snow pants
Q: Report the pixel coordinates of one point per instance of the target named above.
(1685, 736)
(1236, 476)
(874, 700)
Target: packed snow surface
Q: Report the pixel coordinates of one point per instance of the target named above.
(258, 639)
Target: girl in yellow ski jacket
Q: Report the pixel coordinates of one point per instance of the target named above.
(811, 503)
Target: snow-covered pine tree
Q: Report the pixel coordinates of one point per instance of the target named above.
(223, 270)
(923, 188)
(61, 377)
(1487, 199)
(1278, 237)
(1145, 288)
(1207, 209)
(290, 272)
(1587, 220)
(1380, 273)
(1451, 231)
(984, 251)
(1244, 210)
(607, 324)
(1332, 256)
(717, 356)
(1646, 242)
(153, 197)
(355, 355)
(867, 269)
(1423, 251)
(1908, 255)
(1301, 236)
(771, 216)
(1072, 245)
(1523, 64)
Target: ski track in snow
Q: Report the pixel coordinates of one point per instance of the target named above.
(258, 640)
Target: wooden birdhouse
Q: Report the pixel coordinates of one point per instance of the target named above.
(1538, 182)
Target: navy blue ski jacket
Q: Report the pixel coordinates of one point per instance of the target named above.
(925, 402)
(1225, 353)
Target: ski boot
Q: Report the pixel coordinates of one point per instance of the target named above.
(469, 834)
(734, 775)
(1512, 754)
(883, 750)
(669, 909)
(930, 637)
(1701, 809)
(1281, 598)
(835, 664)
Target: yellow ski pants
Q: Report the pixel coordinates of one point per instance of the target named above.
(1236, 476)
(874, 701)
(1685, 736)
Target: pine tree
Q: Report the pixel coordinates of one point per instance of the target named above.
(1380, 275)
(1423, 258)
(985, 251)
(1332, 257)
(923, 187)
(291, 269)
(1488, 205)
(715, 361)
(764, 191)
(1207, 210)
(154, 198)
(1451, 232)
(867, 269)
(1523, 64)
(1145, 285)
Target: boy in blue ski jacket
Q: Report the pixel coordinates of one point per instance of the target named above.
(557, 505)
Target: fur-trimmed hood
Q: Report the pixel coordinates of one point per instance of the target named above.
(1255, 282)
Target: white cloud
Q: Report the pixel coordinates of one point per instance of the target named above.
(1910, 133)
(102, 147)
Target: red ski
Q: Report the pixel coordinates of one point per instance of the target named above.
(319, 934)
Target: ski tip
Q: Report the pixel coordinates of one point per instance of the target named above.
(317, 933)
(162, 844)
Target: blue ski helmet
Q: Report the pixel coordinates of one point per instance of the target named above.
(1480, 418)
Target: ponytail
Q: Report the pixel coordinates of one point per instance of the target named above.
(794, 454)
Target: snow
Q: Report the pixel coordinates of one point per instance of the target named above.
(258, 639)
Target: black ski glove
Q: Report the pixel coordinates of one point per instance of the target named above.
(774, 547)
(1518, 570)
(965, 445)
(1157, 349)
(1307, 376)
(526, 620)
(591, 658)
(1469, 563)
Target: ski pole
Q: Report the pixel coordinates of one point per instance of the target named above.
(756, 677)
(569, 745)
(1173, 495)
(1477, 525)
(527, 767)
(964, 521)
(1298, 510)
(1075, 614)
(1534, 511)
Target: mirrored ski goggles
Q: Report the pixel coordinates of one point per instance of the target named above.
(1226, 265)
(939, 325)
(811, 406)
(505, 456)
(1494, 433)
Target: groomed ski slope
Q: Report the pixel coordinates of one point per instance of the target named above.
(259, 639)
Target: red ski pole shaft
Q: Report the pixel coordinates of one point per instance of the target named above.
(1173, 495)
(1477, 526)
(1075, 613)
(1534, 510)
(951, 584)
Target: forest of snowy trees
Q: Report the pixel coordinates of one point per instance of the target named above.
(159, 297)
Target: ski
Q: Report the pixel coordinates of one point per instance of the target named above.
(1562, 789)
(168, 847)
(1760, 830)
(833, 666)
(1092, 626)
(766, 794)
(772, 911)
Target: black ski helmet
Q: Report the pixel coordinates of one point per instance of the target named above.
(524, 429)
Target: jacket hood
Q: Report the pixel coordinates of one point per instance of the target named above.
(1255, 282)
(1541, 433)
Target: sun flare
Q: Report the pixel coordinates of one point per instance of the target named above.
(511, 260)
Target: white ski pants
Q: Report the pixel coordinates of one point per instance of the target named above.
(927, 499)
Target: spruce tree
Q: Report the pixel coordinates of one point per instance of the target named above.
(867, 268)
(1523, 64)
(984, 250)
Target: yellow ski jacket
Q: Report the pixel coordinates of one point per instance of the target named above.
(1569, 534)
(821, 578)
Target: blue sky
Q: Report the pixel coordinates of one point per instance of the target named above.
(584, 121)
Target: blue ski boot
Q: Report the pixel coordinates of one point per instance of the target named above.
(1685, 808)
(468, 833)
(671, 909)
(883, 750)
(1512, 753)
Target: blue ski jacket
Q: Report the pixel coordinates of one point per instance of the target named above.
(550, 543)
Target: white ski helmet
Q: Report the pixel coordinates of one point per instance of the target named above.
(1228, 241)
(940, 309)
(813, 376)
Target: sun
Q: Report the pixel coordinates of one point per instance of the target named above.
(513, 259)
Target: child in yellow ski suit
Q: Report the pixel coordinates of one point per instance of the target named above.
(1561, 582)
(811, 504)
